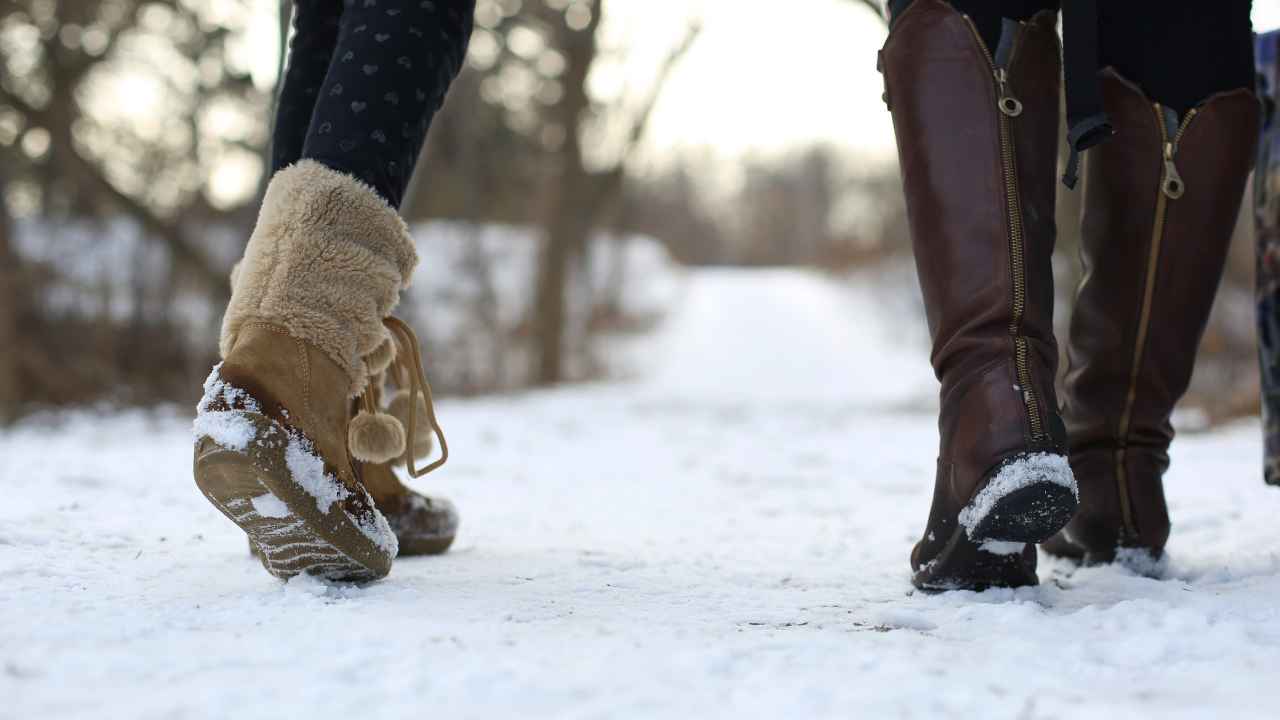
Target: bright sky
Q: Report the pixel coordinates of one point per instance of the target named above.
(764, 76)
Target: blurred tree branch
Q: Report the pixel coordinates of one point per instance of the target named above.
(875, 7)
(581, 197)
(610, 188)
(167, 231)
(95, 165)
(10, 301)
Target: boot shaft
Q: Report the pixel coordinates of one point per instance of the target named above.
(977, 137)
(977, 133)
(1160, 204)
(327, 261)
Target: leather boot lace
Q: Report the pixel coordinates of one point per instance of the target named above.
(407, 370)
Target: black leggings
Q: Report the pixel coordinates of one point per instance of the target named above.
(364, 79)
(1179, 53)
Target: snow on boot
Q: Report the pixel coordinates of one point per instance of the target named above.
(1160, 203)
(422, 525)
(977, 134)
(321, 274)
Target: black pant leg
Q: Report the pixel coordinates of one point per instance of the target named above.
(315, 35)
(1179, 53)
(394, 61)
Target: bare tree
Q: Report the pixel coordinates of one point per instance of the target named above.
(75, 45)
(582, 199)
(73, 155)
(9, 303)
(875, 6)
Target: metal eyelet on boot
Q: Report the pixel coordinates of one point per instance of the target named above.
(1010, 106)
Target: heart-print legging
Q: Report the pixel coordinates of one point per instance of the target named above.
(364, 78)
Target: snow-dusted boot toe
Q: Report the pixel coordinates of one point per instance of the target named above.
(310, 303)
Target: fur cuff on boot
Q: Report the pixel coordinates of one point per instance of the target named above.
(327, 261)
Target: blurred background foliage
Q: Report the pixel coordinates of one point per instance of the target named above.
(132, 143)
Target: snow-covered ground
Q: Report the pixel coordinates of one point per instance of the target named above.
(724, 536)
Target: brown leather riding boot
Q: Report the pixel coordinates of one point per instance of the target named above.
(1160, 203)
(308, 316)
(977, 138)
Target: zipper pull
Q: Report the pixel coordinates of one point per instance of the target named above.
(1172, 185)
(1008, 104)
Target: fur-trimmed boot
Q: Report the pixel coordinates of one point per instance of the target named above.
(1160, 203)
(977, 133)
(307, 326)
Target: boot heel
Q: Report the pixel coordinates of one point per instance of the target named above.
(1028, 499)
(966, 565)
(261, 477)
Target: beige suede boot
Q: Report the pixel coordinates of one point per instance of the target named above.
(307, 328)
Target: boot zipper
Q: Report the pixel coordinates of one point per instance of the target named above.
(1010, 107)
(1171, 188)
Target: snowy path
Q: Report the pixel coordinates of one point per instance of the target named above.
(727, 537)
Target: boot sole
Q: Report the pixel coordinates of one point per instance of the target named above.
(256, 490)
(408, 548)
(965, 565)
(1032, 514)
(1005, 516)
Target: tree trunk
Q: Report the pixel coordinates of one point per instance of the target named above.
(571, 207)
(566, 236)
(9, 304)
